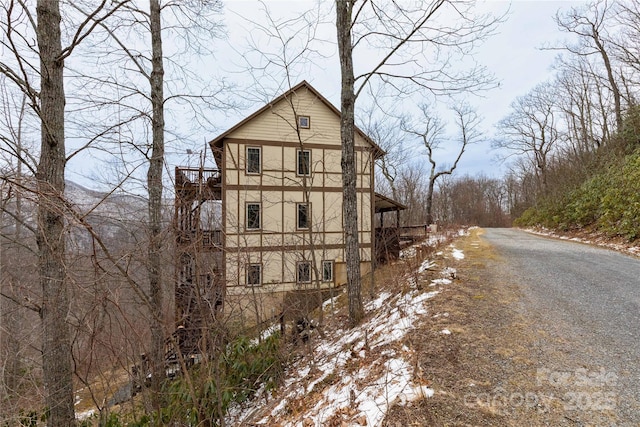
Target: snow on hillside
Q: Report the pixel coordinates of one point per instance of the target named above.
(353, 376)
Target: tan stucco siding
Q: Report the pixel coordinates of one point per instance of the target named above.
(281, 268)
(279, 245)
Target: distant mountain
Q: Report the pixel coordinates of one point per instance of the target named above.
(117, 218)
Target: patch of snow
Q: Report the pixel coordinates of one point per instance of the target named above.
(394, 320)
(419, 392)
(354, 376)
(265, 334)
(377, 303)
(85, 414)
(457, 253)
(330, 302)
(408, 253)
(449, 272)
(385, 391)
(426, 265)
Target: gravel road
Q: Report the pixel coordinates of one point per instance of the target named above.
(585, 303)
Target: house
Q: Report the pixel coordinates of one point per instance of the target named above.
(268, 220)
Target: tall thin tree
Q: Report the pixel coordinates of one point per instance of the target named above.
(155, 186)
(401, 37)
(48, 102)
(56, 348)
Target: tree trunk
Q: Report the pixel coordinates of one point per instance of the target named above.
(613, 84)
(56, 346)
(349, 196)
(155, 187)
(429, 207)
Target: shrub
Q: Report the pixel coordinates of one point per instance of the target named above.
(609, 202)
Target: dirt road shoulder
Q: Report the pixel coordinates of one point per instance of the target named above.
(485, 358)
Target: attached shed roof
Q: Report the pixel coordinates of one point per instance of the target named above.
(217, 142)
(385, 204)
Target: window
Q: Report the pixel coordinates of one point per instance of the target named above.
(304, 122)
(254, 274)
(253, 216)
(327, 271)
(304, 162)
(253, 160)
(304, 272)
(303, 216)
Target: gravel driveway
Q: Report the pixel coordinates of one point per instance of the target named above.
(541, 332)
(584, 303)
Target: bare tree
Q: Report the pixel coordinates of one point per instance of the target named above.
(404, 36)
(591, 24)
(155, 187)
(17, 248)
(385, 129)
(472, 201)
(431, 130)
(412, 189)
(532, 130)
(47, 99)
(137, 113)
(585, 104)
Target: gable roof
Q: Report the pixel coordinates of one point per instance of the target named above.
(217, 142)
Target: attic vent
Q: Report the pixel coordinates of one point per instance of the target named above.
(304, 122)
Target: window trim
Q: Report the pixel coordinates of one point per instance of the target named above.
(246, 166)
(300, 118)
(246, 216)
(248, 268)
(299, 152)
(331, 263)
(308, 213)
(298, 266)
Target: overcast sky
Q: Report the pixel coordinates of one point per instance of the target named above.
(513, 55)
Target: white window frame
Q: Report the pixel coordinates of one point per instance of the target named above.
(308, 214)
(300, 153)
(300, 265)
(247, 163)
(246, 224)
(329, 263)
(249, 268)
(304, 122)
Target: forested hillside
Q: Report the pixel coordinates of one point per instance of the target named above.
(119, 94)
(606, 201)
(574, 139)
